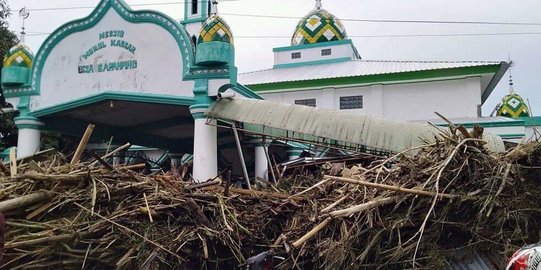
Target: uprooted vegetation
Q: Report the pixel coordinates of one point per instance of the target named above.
(406, 211)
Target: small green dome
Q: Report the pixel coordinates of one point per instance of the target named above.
(215, 29)
(19, 56)
(318, 26)
(513, 106)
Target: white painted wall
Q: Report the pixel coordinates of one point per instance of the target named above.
(193, 29)
(314, 54)
(453, 99)
(456, 98)
(533, 133)
(505, 130)
(159, 64)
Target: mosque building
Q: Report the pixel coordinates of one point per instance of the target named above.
(107, 69)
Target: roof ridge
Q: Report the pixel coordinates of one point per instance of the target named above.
(429, 61)
(401, 61)
(255, 71)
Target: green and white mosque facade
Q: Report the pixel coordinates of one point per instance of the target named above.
(145, 78)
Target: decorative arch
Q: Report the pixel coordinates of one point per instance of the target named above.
(176, 30)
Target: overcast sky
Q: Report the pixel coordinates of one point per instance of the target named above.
(253, 52)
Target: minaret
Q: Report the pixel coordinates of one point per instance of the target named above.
(195, 13)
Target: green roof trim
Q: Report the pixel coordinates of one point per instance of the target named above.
(311, 63)
(112, 95)
(175, 29)
(383, 79)
(532, 121)
(314, 45)
(512, 136)
(492, 124)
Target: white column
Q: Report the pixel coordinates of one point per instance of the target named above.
(29, 137)
(261, 162)
(205, 149)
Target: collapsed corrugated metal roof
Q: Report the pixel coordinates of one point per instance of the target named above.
(329, 127)
(351, 69)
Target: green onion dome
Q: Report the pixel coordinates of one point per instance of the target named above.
(513, 106)
(19, 56)
(215, 29)
(318, 26)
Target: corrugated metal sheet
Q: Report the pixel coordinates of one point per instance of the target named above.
(283, 120)
(350, 69)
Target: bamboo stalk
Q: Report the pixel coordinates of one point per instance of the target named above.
(391, 188)
(82, 144)
(23, 201)
(120, 148)
(310, 188)
(342, 213)
(133, 167)
(311, 233)
(13, 162)
(258, 193)
(331, 206)
(148, 208)
(53, 177)
(133, 232)
(38, 211)
(35, 242)
(205, 184)
(361, 207)
(101, 161)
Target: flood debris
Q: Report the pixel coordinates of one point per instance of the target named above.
(398, 212)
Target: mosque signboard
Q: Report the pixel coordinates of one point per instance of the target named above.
(114, 49)
(113, 38)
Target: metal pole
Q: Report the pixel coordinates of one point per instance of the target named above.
(241, 155)
(269, 161)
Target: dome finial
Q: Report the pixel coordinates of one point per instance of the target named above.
(511, 89)
(214, 8)
(318, 4)
(24, 14)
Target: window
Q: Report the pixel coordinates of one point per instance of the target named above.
(194, 6)
(306, 102)
(351, 102)
(325, 52)
(296, 55)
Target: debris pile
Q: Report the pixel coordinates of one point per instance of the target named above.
(406, 211)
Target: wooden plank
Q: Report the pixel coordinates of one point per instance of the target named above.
(13, 162)
(82, 144)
